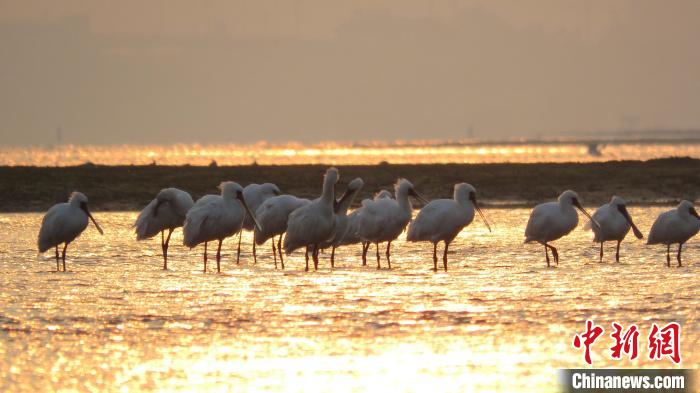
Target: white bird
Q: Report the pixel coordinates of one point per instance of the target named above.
(273, 215)
(166, 212)
(553, 220)
(443, 219)
(384, 219)
(216, 217)
(255, 195)
(352, 234)
(615, 222)
(341, 217)
(314, 223)
(675, 226)
(63, 223)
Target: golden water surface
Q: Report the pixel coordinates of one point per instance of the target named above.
(334, 153)
(498, 320)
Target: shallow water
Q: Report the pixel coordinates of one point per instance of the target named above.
(498, 320)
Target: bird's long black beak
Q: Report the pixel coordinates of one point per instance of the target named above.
(87, 211)
(240, 197)
(623, 211)
(347, 194)
(478, 210)
(694, 213)
(412, 192)
(578, 205)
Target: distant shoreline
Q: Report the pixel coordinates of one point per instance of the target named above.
(111, 188)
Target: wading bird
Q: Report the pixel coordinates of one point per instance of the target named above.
(255, 195)
(63, 223)
(443, 219)
(216, 217)
(273, 215)
(615, 222)
(352, 234)
(553, 220)
(312, 224)
(675, 227)
(166, 212)
(341, 217)
(383, 220)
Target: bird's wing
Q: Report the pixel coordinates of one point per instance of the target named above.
(206, 210)
(537, 223)
(430, 218)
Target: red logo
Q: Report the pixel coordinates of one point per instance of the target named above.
(663, 342)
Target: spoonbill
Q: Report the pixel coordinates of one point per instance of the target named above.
(63, 222)
(273, 215)
(615, 223)
(254, 195)
(383, 219)
(216, 217)
(443, 219)
(553, 220)
(166, 212)
(341, 217)
(675, 226)
(352, 234)
(312, 224)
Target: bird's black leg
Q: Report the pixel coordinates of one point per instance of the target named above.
(63, 256)
(332, 257)
(435, 256)
(307, 258)
(365, 247)
(379, 266)
(274, 251)
(388, 253)
(218, 257)
(668, 255)
(205, 257)
(555, 254)
(444, 256)
(238, 252)
(601, 252)
(678, 257)
(279, 249)
(617, 251)
(315, 256)
(165, 249)
(58, 266)
(546, 254)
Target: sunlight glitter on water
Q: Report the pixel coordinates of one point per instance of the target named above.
(498, 320)
(336, 154)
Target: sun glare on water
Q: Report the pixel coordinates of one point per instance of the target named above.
(335, 153)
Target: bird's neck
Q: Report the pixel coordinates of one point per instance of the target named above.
(328, 193)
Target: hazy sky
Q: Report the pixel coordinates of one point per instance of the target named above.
(166, 71)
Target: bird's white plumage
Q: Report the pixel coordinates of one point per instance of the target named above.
(352, 233)
(384, 219)
(255, 195)
(313, 223)
(613, 224)
(443, 219)
(64, 222)
(341, 214)
(173, 205)
(675, 226)
(273, 215)
(214, 217)
(552, 220)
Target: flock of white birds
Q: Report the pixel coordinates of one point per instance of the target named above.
(325, 223)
